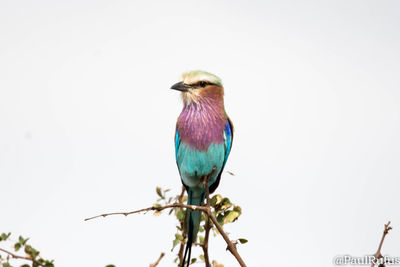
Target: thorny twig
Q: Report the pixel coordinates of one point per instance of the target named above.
(378, 254)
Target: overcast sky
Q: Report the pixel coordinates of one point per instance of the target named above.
(87, 123)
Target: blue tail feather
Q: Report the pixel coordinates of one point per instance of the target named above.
(193, 218)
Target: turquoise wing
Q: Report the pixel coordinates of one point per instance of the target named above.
(177, 143)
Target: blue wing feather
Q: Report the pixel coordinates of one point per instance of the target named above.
(177, 143)
(228, 139)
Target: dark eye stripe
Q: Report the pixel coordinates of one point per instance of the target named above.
(202, 84)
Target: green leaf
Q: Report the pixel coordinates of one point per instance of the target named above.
(6, 264)
(174, 243)
(25, 265)
(231, 216)
(170, 211)
(159, 193)
(110, 265)
(238, 209)
(22, 240)
(193, 260)
(226, 200)
(201, 239)
(202, 257)
(4, 236)
(31, 251)
(28, 249)
(243, 240)
(51, 264)
(179, 237)
(225, 204)
(17, 246)
(215, 200)
(220, 219)
(35, 253)
(180, 214)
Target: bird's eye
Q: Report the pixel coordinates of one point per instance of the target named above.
(203, 84)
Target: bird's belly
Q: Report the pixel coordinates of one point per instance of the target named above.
(193, 163)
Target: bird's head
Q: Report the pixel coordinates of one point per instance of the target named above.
(198, 85)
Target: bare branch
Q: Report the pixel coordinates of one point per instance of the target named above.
(158, 261)
(155, 208)
(231, 246)
(378, 254)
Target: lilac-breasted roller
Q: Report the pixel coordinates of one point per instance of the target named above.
(203, 140)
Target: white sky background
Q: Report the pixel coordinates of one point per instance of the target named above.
(87, 123)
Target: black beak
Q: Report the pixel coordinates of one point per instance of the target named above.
(180, 87)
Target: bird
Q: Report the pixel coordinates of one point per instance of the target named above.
(203, 141)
